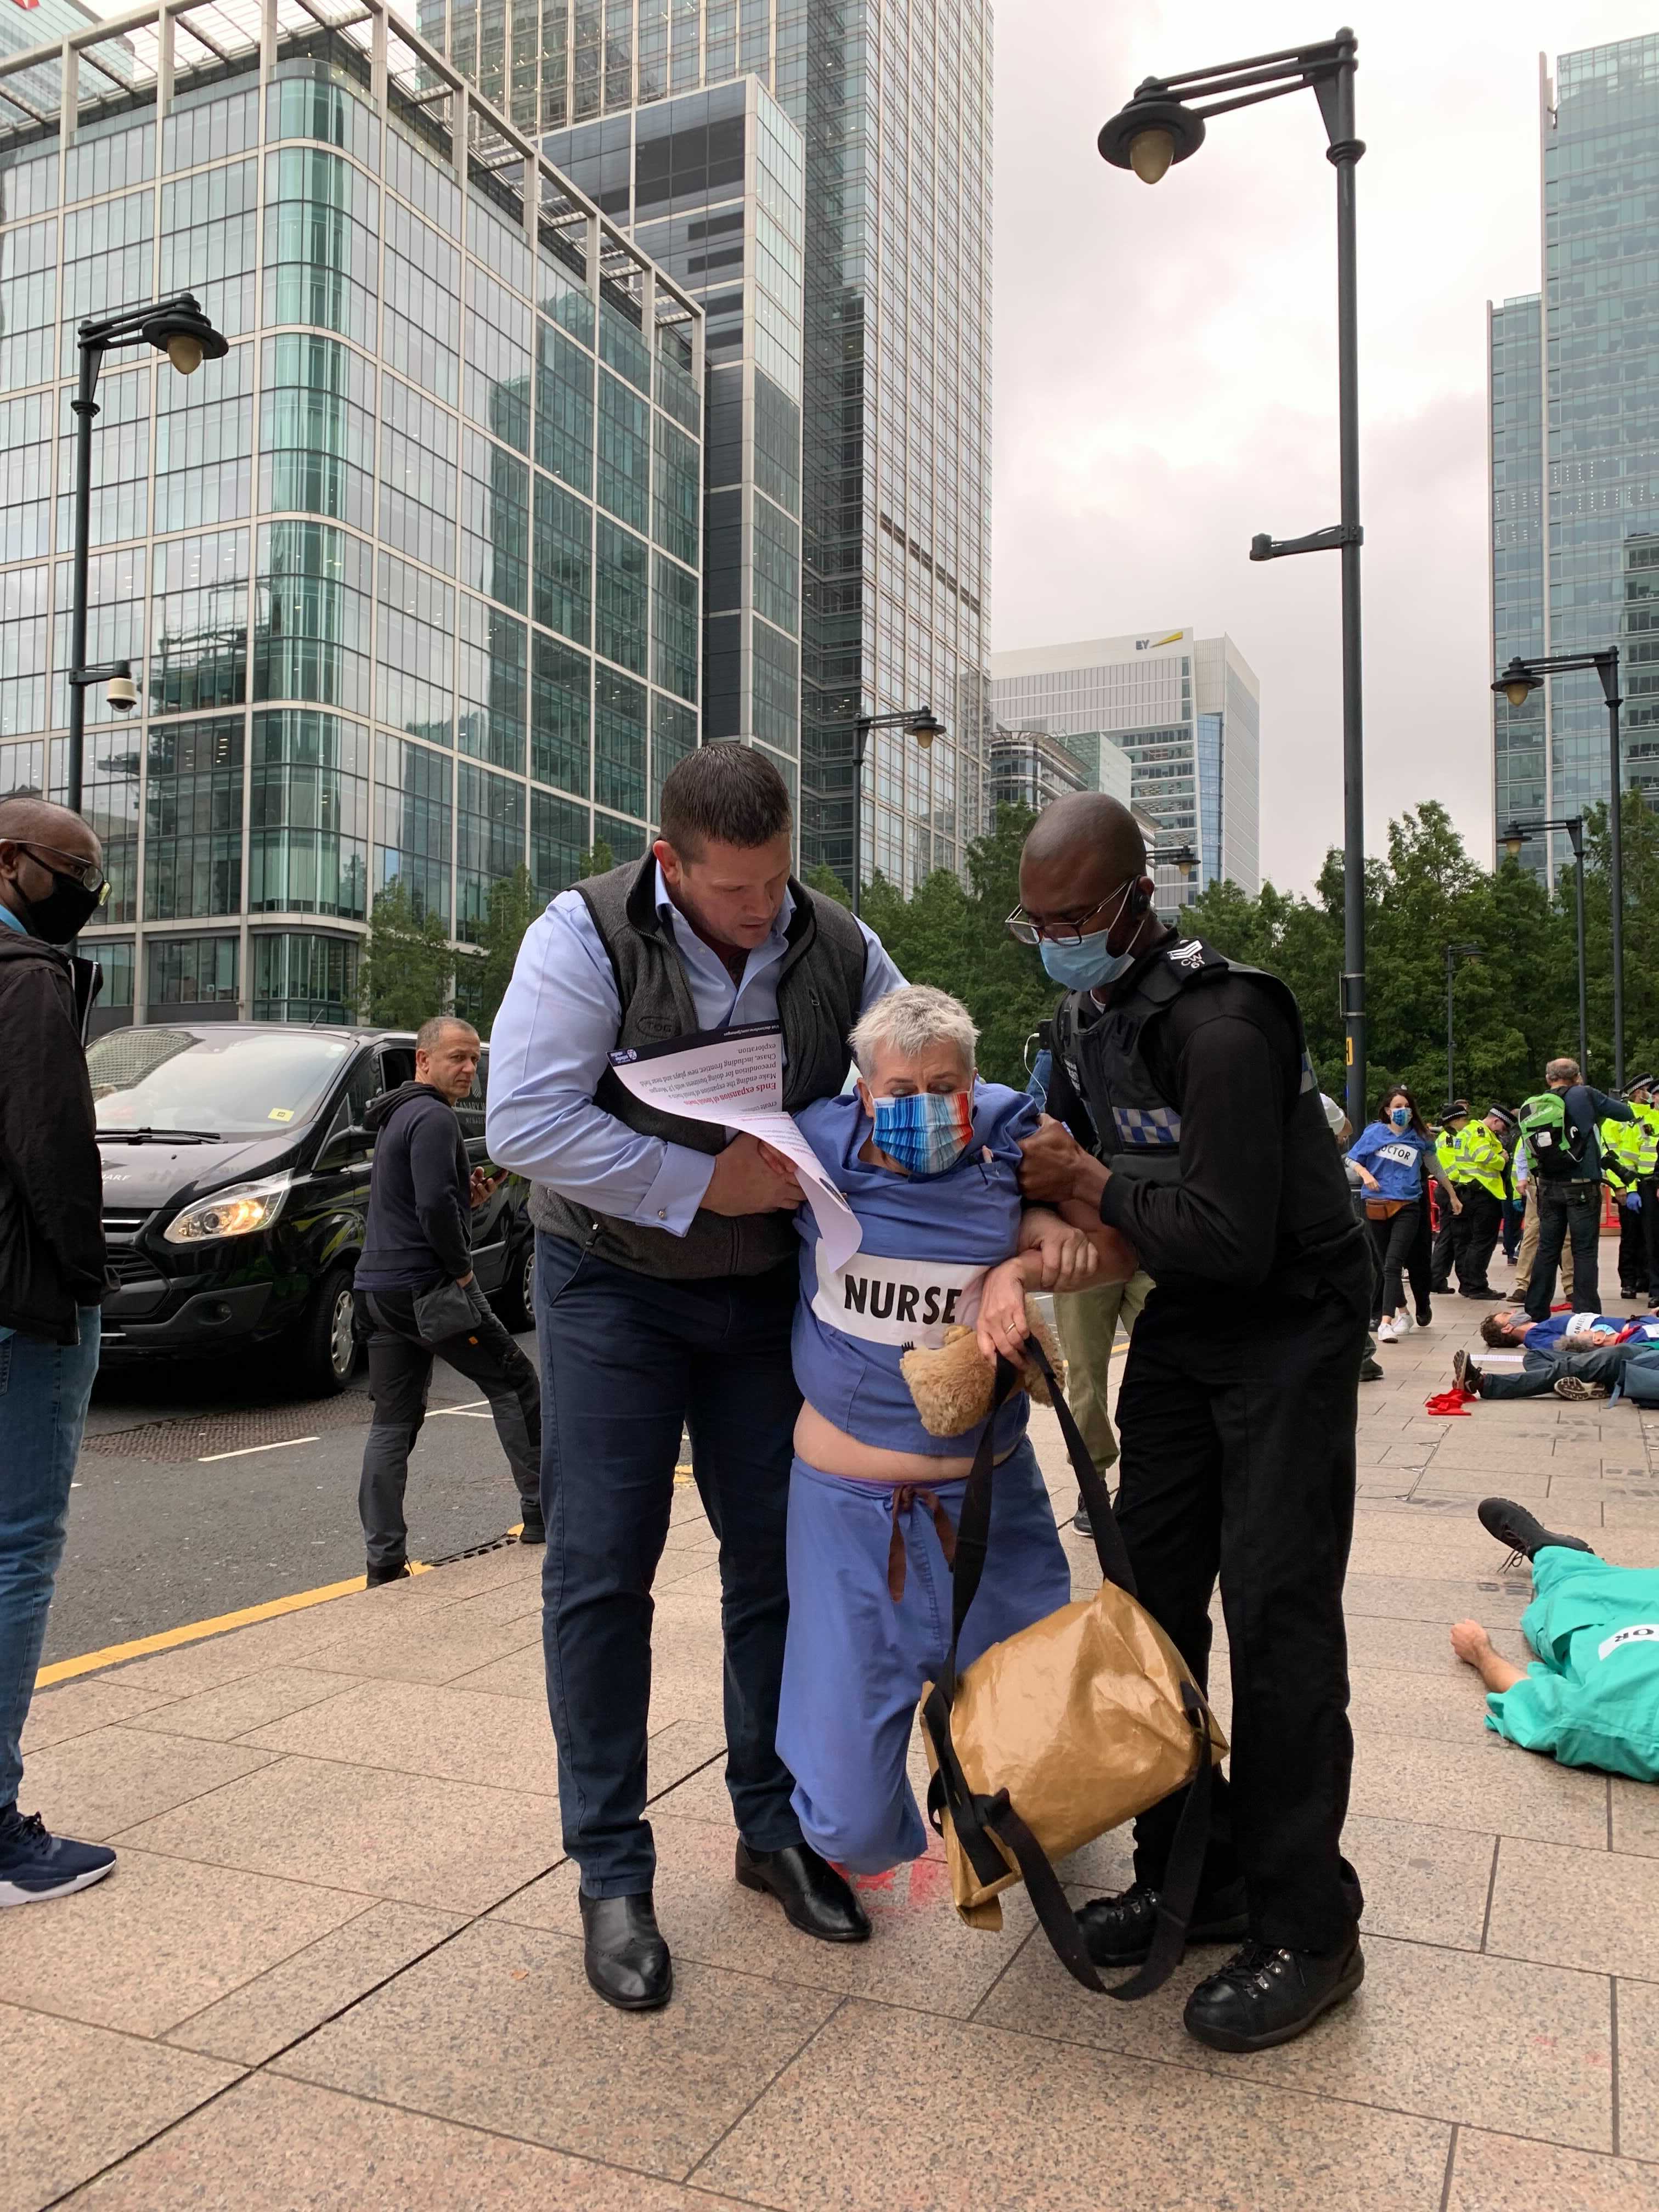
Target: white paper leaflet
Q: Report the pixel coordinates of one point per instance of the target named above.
(734, 1079)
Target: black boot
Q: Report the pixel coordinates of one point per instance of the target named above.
(1117, 1931)
(1261, 1996)
(393, 1572)
(814, 1897)
(622, 1949)
(1522, 1531)
(534, 1530)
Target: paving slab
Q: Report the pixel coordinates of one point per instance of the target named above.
(1504, 2174)
(96, 1785)
(424, 1727)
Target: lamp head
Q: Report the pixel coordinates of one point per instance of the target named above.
(1150, 134)
(186, 336)
(1512, 841)
(924, 726)
(1518, 682)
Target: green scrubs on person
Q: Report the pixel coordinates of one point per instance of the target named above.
(1592, 1695)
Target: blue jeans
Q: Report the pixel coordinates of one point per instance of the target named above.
(44, 1389)
(626, 1360)
(858, 1658)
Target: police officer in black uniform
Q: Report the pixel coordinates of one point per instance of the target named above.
(1189, 1112)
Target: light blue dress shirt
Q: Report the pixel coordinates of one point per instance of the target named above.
(10, 919)
(551, 1042)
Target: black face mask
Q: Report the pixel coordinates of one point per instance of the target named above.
(65, 910)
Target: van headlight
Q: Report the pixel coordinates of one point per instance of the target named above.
(233, 1212)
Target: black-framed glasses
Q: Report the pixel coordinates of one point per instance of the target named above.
(89, 874)
(1068, 930)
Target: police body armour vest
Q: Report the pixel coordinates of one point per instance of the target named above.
(820, 989)
(1137, 1128)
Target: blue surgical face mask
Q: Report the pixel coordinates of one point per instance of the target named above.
(1400, 1116)
(1088, 965)
(926, 1132)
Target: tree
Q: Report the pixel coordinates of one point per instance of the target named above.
(481, 976)
(824, 880)
(406, 972)
(598, 861)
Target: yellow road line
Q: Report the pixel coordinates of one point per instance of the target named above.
(192, 1631)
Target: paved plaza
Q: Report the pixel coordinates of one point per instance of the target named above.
(337, 1965)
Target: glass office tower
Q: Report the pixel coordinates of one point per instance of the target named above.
(1186, 711)
(893, 101)
(409, 582)
(1574, 447)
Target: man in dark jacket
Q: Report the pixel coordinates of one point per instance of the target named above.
(51, 1281)
(1569, 1177)
(416, 1289)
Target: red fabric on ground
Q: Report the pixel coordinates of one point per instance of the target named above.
(1451, 1401)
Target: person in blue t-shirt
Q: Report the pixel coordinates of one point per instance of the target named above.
(1574, 1355)
(928, 1159)
(1394, 1155)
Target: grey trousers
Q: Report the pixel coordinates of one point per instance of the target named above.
(399, 1370)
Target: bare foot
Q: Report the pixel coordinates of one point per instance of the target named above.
(1471, 1643)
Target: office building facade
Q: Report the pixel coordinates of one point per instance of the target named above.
(1185, 711)
(1574, 450)
(409, 582)
(896, 371)
(712, 185)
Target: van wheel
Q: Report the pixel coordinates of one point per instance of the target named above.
(325, 1347)
(517, 1294)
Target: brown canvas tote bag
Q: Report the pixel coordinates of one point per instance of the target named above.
(1054, 1735)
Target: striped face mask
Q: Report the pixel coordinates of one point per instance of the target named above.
(926, 1133)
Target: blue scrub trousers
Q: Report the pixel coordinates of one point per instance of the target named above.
(855, 1661)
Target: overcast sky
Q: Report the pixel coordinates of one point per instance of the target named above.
(1166, 368)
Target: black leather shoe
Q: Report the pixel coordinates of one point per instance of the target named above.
(627, 1960)
(1117, 1931)
(1522, 1531)
(1372, 1371)
(1261, 1996)
(534, 1530)
(814, 1897)
(395, 1572)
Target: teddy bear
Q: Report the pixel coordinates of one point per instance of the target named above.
(952, 1383)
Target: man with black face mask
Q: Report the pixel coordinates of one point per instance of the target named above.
(1190, 1117)
(51, 1280)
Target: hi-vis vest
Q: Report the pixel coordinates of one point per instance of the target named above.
(1137, 1129)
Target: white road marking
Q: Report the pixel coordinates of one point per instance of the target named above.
(246, 1451)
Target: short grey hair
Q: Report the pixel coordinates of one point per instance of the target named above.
(907, 1021)
(430, 1034)
(1562, 1071)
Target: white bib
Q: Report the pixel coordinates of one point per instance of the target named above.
(899, 1302)
(1646, 1631)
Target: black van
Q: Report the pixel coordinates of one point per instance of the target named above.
(236, 1187)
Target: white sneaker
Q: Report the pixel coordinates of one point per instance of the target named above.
(1403, 1323)
(1387, 1333)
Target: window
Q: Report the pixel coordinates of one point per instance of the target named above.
(489, 842)
(414, 652)
(317, 429)
(676, 502)
(564, 410)
(419, 448)
(620, 596)
(624, 453)
(193, 820)
(299, 977)
(621, 346)
(120, 461)
(494, 521)
(115, 628)
(210, 131)
(493, 684)
(673, 736)
(674, 630)
(316, 107)
(421, 317)
(308, 814)
(28, 296)
(777, 689)
(198, 624)
(559, 839)
(311, 603)
(498, 334)
(563, 568)
(190, 971)
(111, 805)
(23, 654)
(204, 444)
(560, 715)
(25, 472)
(777, 566)
(322, 243)
(209, 242)
(413, 824)
(618, 742)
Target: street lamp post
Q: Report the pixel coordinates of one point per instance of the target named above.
(1523, 676)
(1454, 954)
(177, 328)
(1512, 841)
(924, 726)
(1159, 127)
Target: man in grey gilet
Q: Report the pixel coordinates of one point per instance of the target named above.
(665, 1281)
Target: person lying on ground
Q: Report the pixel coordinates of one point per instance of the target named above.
(928, 1158)
(1592, 1695)
(1588, 1363)
(1512, 1326)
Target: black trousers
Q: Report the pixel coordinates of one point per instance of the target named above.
(1419, 1264)
(400, 1370)
(1238, 1460)
(1480, 1222)
(628, 1362)
(1393, 1239)
(1445, 1241)
(1567, 1210)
